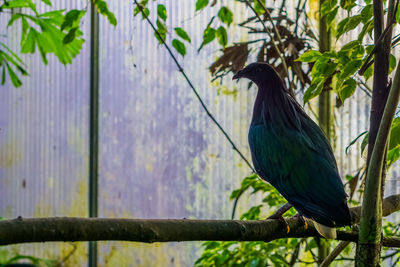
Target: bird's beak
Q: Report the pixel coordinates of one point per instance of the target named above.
(238, 75)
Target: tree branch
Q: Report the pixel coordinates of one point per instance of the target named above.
(331, 257)
(371, 224)
(23, 230)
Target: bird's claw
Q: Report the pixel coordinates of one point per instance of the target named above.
(286, 224)
(303, 220)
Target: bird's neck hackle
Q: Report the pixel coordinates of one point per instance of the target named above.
(274, 105)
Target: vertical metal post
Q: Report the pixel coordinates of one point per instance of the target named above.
(94, 125)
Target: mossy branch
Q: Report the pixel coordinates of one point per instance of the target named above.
(371, 214)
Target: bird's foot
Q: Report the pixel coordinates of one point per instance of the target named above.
(280, 218)
(286, 224)
(298, 215)
(278, 214)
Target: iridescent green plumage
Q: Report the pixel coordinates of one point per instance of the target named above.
(291, 152)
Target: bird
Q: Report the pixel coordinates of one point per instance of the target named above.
(291, 152)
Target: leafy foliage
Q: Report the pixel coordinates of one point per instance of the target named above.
(162, 29)
(54, 32)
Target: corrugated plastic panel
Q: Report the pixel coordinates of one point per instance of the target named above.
(43, 143)
(160, 155)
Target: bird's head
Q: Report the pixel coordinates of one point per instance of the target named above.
(259, 73)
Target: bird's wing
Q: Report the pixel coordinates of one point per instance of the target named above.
(302, 171)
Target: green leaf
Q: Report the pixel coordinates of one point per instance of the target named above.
(13, 19)
(19, 4)
(3, 76)
(14, 78)
(102, 8)
(350, 46)
(398, 15)
(314, 90)
(347, 4)
(161, 12)
(208, 36)
(222, 36)
(70, 36)
(394, 134)
(70, 18)
(259, 8)
(392, 156)
(309, 56)
(392, 63)
(146, 11)
(341, 27)
(162, 30)
(347, 89)
(47, 2)
(327, 6)
(200, 4)
(353, 142)
(179, 46)
(348, 24)
(24, 29)
(364, 143)
(350, 68)
(29, 44)
(367, 28)
(225, 15)
(366, 13)
(330, 17)
(182, 33)
(369, 72)
(11, 52)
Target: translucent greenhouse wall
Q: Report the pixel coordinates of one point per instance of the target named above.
(160, 155)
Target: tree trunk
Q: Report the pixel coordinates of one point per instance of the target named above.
(369, 245)
(324, 109)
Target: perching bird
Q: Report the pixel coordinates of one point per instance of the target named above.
(292, 153)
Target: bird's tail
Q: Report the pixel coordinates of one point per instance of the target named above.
(325, 231)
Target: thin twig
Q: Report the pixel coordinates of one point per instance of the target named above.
(368, 62)
(278, 36)
(270, 36)
(266, 11)
(331, 257)
(234, 147)
(298, 14)
(64, 259)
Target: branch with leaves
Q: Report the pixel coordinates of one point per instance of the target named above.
(54, 32)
